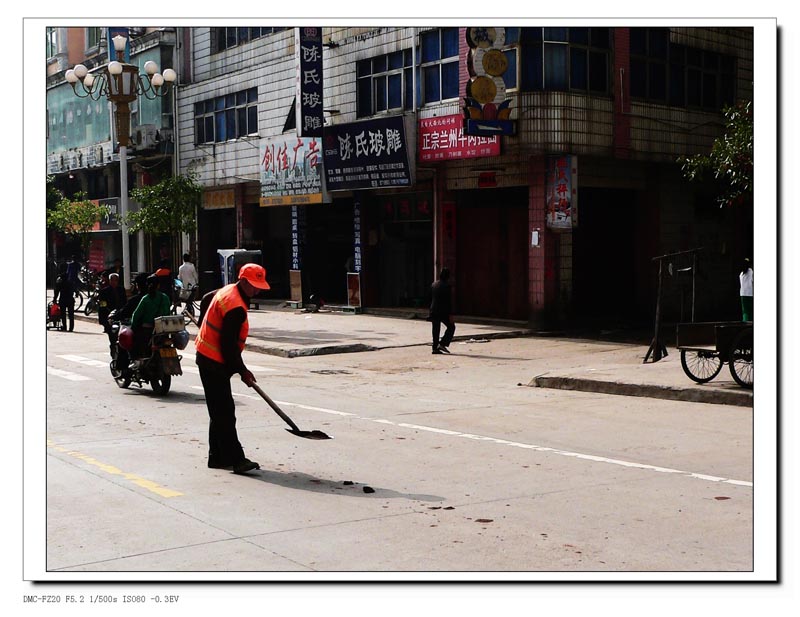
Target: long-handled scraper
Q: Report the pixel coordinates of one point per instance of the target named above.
(294, 430)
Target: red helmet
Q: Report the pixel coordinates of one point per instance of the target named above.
(125, 338)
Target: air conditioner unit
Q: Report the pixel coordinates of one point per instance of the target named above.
(146, 137)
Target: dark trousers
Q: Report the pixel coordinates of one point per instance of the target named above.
(450, 330)
(67, 310)
(223, 441)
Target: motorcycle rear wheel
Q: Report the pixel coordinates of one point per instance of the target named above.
(161, 384)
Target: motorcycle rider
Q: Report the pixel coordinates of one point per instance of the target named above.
(124, 314)
(153, 304)
(219, 343)
(112, 297)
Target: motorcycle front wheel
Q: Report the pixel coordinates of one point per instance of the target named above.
(161, 383)
(90, 306)
(122, 380)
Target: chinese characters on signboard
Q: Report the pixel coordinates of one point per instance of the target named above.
(366, 155)
(298, 236)
(290, 171)
(357, 237)
(562, 192)
(308, 103)
(443, 139)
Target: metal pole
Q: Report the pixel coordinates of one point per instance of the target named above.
(123, 208)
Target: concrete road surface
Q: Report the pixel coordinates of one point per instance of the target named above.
(441, 467)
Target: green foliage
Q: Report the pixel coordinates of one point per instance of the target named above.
(75, 217)
(167, 207)
(54, 195)
(730, 160)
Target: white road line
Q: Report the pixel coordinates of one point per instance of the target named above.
(516, 444)
(86, 361)
(527, 446)
(66, 375)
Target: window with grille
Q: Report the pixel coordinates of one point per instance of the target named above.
(679, 75)
(439, 65)
(225, 38)
(52, 42)
(93, 36)
(566, 59)
(384, 83)
(226, 117)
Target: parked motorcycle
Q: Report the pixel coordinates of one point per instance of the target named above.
(169, 336)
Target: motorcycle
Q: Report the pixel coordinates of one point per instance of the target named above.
(169, 336)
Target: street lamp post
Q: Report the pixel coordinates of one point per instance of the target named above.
(121, 83)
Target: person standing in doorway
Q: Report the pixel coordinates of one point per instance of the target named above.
(219, 344)
(746, 290)
(440, 313)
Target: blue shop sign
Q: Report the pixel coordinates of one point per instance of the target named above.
(371, 154)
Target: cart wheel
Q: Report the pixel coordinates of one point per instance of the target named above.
(700, 366)
(741, 358)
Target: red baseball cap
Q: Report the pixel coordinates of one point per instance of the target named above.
(255, 275)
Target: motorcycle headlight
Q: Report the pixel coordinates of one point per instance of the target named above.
(181, 339)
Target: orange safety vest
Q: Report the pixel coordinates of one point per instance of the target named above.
(208, 341)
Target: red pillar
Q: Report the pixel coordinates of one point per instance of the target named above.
(622, 92)
(537, 255)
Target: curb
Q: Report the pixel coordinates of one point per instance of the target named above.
(744, 398)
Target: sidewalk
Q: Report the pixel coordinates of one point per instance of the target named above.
(290, 333)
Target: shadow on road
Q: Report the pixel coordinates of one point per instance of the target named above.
(305, 482)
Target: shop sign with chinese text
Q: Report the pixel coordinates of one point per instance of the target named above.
(443, 139)
(290, 171)
(308, 103)
(371, 154)
(562, 192)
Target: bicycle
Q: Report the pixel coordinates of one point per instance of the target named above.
(185, 296)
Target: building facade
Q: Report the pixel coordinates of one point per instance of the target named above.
(537, 163)
(82, 146)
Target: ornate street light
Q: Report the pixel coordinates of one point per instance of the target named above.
(121, 84)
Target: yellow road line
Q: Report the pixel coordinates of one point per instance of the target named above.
(138, 480)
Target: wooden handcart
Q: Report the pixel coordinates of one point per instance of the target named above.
(706, 346)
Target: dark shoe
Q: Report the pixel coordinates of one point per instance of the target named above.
(245, 465)
(436, 350)
(444, 349)
(212, 464)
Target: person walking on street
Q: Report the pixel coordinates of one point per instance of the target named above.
(746, 290)
(440, 313)
(187, 274)
(64, 296)
(112, 297)
(219, 345)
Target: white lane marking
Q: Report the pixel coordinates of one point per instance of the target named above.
(66, 374)
(86, 361)
(186, 368)
(527, 446)
(190, 357)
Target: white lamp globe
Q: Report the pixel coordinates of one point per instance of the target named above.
(150, 67)
(170, 75)
(115, 68)
(80, 71)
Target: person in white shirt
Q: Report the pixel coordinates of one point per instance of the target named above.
(746, 290)
(187, 274)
